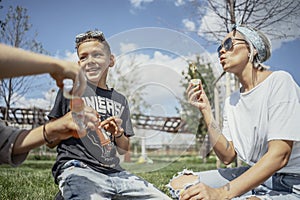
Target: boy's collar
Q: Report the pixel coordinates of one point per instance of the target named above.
(97, 87)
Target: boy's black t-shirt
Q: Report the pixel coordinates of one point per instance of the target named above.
(88, 149)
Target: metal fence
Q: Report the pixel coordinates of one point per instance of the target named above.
(24, 117)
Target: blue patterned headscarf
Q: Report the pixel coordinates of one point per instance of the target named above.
(256, 40)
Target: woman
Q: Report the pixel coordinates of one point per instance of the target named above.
(260, 126)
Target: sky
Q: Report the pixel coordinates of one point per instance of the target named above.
(151, 31)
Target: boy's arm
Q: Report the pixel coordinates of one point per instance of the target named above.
(122, 142)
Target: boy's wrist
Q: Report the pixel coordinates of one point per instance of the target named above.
(119, 135)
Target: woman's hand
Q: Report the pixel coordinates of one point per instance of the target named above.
(197, 97)
(201, 191)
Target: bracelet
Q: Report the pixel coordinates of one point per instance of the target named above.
(119, 135)
(44, 135)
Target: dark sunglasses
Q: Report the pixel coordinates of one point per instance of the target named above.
(87, 35)
(228, 44)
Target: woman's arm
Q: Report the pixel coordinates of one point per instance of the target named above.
(222, 147)
(276, 158)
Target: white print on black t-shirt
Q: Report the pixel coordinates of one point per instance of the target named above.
(105, 150)
(104, 106)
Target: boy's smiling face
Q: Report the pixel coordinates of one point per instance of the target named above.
(95, 58)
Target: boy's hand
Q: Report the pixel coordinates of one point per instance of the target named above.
(112, 125)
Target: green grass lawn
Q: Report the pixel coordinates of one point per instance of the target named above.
(33, 179)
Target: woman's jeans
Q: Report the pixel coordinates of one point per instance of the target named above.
(280, 186)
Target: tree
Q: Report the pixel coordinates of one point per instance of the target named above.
(14, 32)
(2, 24)
(279, 19)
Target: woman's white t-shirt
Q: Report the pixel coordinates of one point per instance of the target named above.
(270, 111)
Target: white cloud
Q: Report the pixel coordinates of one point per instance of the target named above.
(155, 58)
(45, 103)
(70, 56)
(189, 25)
(127, 47)
(179, 2)
(210, 22)
(67, 55)
(159, 75)
(139, 3)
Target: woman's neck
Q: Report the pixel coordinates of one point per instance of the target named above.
(251, 77)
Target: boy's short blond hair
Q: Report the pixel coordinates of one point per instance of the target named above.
(92, 36)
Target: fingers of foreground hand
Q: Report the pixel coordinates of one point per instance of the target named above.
(63, 70)
(78, 133)
(70, 128)
(202, 191)
(192, 192)
(79, 83)
(91, 117)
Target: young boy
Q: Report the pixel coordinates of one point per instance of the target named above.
(88, 167)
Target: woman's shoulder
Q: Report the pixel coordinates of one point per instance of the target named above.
(281, 75)
(283, 84)
(280, 79)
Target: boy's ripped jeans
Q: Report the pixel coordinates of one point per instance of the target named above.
(78, 181)
(278, 187)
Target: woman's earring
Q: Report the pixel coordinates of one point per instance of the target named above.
(249, 54)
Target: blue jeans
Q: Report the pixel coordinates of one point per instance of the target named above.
(78, 181)
(277, 187)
